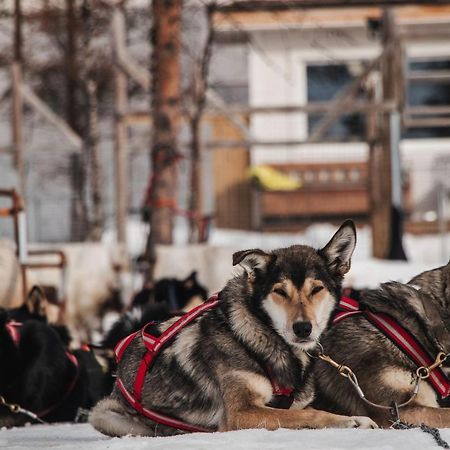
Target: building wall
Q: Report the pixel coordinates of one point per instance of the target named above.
(277, 76)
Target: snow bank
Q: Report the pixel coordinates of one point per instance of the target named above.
(84, 437)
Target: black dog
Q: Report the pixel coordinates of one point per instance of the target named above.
(42, 376)
(168, 297)
(176, 294)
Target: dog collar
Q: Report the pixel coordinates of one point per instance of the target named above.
(282, 397)
(402, 338)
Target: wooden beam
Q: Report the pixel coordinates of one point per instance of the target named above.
(428, 122)
(44, 111)
(310, 108)
(277, 5)
(131, 68)
(434, 76)
(223, 144)
(431, 110)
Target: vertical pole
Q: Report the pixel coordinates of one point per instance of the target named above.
(386, 217)
(17, 124)
(120, 129)
(17, 100)
(442, 220)
(166, 75)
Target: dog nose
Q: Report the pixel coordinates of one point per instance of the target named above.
(302, 329)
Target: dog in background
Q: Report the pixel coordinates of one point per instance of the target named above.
(384, 372)
(220, 371)
(41, 375)
(169, 297)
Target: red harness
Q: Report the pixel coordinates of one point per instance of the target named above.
(400, 337)
(154, 346)
(12, 327)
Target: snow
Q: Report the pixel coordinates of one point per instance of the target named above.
(79, 437)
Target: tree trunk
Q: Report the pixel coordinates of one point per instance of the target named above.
(166, 38)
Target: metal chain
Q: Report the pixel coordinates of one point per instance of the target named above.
(421, 373)
(435, 433)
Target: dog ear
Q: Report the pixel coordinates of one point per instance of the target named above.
(36, 302)
(190, 281)
(338, 252)
(253, 261)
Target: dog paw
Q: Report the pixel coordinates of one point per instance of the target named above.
(362, 422)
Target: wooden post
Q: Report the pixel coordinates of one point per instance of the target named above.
(381, 156)
(199, 92)
(120, 129)
(91, 137)
(77, 121)
(166, 38)
(17, 124)
(17, 100)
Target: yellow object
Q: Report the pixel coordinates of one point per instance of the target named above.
(274, 180)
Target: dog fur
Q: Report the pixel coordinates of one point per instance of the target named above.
(384, 373)
(214, 375)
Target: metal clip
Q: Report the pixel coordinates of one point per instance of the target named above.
(343, 370)
(423, 372)
(14, 408)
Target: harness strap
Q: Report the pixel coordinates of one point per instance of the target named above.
(156, 416)
(404, 340)
(11, 328)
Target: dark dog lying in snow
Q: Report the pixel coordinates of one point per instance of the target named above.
(240, 359)
(169, 297)
(41, 375)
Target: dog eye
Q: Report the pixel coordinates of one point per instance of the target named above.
(316, 289)
(281, 292)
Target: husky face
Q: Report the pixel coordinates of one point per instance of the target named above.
(299, 314)
(296, 288)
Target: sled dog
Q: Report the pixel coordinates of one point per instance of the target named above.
(385, 369)
(236, 362)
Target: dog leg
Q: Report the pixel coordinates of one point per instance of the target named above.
(272, 419)
(110, 418)
(433, 417)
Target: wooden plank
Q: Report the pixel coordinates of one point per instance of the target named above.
(232, 189)
(312, 202)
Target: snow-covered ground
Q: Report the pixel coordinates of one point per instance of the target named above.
(84, 437)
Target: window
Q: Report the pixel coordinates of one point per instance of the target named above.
(429, 85)
(324, 81)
